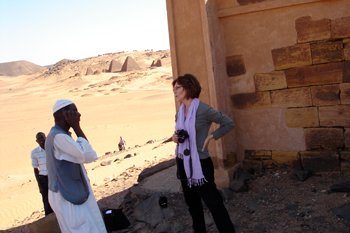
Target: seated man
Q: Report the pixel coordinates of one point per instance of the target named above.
(121, 144)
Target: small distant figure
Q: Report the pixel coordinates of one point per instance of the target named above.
(40, 171)
(121, 144)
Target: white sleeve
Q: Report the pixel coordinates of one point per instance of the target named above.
(79, 151)
(35, 163)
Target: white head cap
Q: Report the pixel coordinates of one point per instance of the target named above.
(61, 104)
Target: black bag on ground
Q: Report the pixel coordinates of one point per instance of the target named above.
(115, 219)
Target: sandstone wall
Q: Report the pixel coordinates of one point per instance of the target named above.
(281, 68)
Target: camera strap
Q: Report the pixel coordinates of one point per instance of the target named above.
(192, 163)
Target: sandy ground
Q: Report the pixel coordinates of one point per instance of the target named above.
(137, 105)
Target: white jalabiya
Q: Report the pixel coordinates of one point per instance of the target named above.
(84, 218)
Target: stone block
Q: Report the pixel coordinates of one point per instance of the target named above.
(285, 157)
(345, 160)
(312, 30)
(147, 172)
(329, 73)
(246, 2)
(230, 160)
(269, 164)
(345, 93)
(320, 161)
(257, 154)
(346, 72)
(253, 166)
(294, 97)
(347, 53)
(325, 95)
(270, 81)
(45, 225)
(249, 100)
(235, 65)
(340, 27)
(346, 45)
(327, 51)
(347, 138)
(222, 178)
(292, 56)
(302, 117)
(332, 116)
(324, 138)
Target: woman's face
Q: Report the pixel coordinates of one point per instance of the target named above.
(179, 92)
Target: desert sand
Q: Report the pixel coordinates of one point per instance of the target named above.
(138, 105)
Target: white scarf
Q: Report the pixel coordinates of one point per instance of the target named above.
(192, 162)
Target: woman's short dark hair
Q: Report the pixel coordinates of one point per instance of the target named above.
(190, 84)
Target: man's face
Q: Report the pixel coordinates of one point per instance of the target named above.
(72, 109)
(40, 139)
(71, 114)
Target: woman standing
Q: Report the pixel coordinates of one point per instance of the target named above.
(194, 166)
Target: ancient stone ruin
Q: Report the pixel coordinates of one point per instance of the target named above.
(129, 64)
(156, 63)
(114, 66)
(89, 71)
(97, 72)
(286, 87)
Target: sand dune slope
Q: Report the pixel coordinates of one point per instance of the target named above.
(137, 105)
(19, 68)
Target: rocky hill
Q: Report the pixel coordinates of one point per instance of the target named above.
(109, 63)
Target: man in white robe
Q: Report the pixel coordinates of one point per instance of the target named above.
(70, 193)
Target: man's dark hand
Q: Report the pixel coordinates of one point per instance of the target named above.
(73, 118)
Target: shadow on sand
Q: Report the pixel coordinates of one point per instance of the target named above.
(49, 224)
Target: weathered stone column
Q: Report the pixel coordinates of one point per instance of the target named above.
(197, 47)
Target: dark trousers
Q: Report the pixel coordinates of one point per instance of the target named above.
(209, 194)
(44, 190)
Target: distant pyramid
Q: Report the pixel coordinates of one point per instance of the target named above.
(129, 64)
(97, 72)
(89, 71)
(114, 66)
(156, 63)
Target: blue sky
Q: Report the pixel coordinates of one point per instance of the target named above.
(47, 31)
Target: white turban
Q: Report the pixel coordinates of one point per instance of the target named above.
(61, 104)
